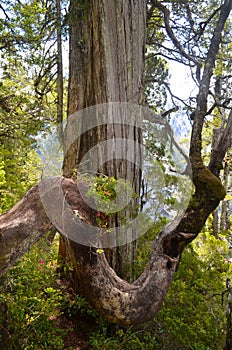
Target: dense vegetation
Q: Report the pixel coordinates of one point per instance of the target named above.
(40, 310)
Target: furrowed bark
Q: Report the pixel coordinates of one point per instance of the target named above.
(107, 44)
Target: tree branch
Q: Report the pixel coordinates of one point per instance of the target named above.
(219, 152)
(21, 227)
(171, 34)
(204, 24)
(201, 108)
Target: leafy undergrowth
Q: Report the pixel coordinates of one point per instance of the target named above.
(39, 309)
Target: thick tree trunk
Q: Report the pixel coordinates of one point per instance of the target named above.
(107, 40)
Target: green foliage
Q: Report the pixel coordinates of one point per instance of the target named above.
(156, 70)
(33, 301)
(22, 115)
(192, 316)
(27, 91)
(145, 243)
(19, 171)
(28, 87)
(156, 67)
(105, 190)
(76, 305)
(123, 340)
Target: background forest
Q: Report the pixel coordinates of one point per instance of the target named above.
(39, 309)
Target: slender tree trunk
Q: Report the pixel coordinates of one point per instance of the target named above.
(228, 345)
(225, 209)
(60, 88)
(215, 226)
(221, 222)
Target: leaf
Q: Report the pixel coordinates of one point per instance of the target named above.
(100, 251)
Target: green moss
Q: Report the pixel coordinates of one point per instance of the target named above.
(210, 183)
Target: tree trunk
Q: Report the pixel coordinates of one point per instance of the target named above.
(225, 208)
(228, 345)
(60, 88)
(107, 41)
(215, 226)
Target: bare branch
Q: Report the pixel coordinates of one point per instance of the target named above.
(5, 13)
(201, 108)
(174, 96)
(203, 25)
(171, 34)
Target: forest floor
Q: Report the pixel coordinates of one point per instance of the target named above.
(75, 338)
(78, 325)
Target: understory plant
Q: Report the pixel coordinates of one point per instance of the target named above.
(31, 301)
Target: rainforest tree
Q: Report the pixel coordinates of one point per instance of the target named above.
(107, 46)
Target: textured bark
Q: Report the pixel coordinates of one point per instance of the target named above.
(223, 144)
(107, 40)
(27, 221)
(21, 227)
